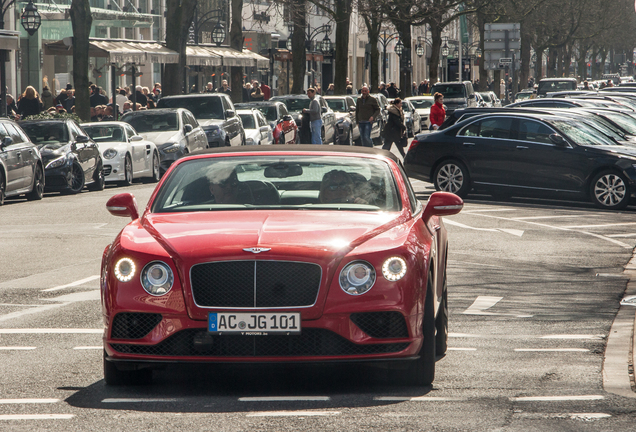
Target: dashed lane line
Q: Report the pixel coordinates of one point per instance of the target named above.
(548, 217)
(14, 315)
(480, 305)
(571, 416)
(72, 284)
(573, 336)
(600, 226)
(461, 349)
(140, 400)
(50, 331)
(284, 398)
(416, 399)
(16, 348)
(514, 232)
(36, 416)
(556, 398)
(292, 413)
(551, 350)
(88, 347)
(27, 401)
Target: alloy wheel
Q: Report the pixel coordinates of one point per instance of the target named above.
(77, 178)
(610, 190)
(450, 178)
(128, 171)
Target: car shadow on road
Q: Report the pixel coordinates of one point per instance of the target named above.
(217, 388)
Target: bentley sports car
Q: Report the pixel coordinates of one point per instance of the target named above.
(278, 254)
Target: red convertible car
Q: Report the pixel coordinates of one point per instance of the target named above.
(283, 253)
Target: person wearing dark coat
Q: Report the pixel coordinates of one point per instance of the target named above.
(141, 97)
(247, 89)
(392, 91)
(97, 98)
(69, 101)
(30, 103)
(395, 130)
(47, 97)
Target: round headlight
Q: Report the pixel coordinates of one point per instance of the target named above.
(110, 153)
(124, 270)
(394, 269)
(157, 278)
(357, 277)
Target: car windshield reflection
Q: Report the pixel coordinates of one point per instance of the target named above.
(147, 121)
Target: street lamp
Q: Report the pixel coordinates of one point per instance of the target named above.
(325, 45)
(385, 40)
(419, 50)
(445, 51)
(30, 18)
(218, 34)
(289, 42)
(399, 48)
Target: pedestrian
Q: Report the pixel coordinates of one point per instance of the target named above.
(12, 108)
(247, 89)
(367, 111)
(146, 93)
(97, 98)
(438, 113)
(315, 117)
(414, 89)
(69, 102)
(47, 97)
(421, 88)
(392, 90)
(383, 89)
(151, 104)
(395, 131)
(330, 89)
(141, 98)
(60, 97)
(209, 88)
(156, 90)
(224, 88)
(257, 94)
(108, 114)
(30, 103)
(586, 85)
(349, 89)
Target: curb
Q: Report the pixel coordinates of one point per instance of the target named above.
(618, 363)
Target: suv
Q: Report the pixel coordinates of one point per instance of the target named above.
(295, 105)
(549, 85)
(456, 95)
(345, 109)
(282, 124)
(215, 113)
(21, 167)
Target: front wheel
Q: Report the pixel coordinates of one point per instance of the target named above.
(99, 181)
(77, 180)
(609, 190)
(3, 186)
(156, 171)
(128, 171)
(38, 185)
(452, 176)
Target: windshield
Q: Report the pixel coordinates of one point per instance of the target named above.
(248, 121)
(203, 108)
(623, 121)
(269, 112)
(106, 133)
(296, 104)
(337, 105)
(485, 97)
(282, 183)
(406, 107)
(421, 103)
(555, 86)
(450, 91)
(581, 133)
(147, 121)
(46, 133)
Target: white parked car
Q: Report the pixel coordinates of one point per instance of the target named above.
(126, 154)
(422, 105)
(491, 99)
(175, 131)
(257, 130)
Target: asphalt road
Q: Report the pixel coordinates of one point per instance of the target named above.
(533, 289)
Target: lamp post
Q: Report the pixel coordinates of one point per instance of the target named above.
(31, 21)
(385, 39)
(218, 35)
(325, 45)
(445, 51)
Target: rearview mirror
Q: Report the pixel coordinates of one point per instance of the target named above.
(124, 205)
(283, 170)
(6, 141)
(229, 113)
(558, 140)
(82, 139)
(136, 138)
(187, 128)
(324, 109)
(442, 204)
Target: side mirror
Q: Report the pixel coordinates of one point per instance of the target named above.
(136, 138)
(73, 146)
(124, 205)
(442, 204)
(323, 109)
(558, 140)
(6, 141)
(472, 96)
(187, 128)
(287, 118)
(229, 113)
(82, 139)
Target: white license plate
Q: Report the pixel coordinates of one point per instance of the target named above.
(254, 324)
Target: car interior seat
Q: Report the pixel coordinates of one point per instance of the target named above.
(263, 192)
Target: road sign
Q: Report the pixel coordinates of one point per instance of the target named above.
(505, 60)
(498, 31)
(500, 45)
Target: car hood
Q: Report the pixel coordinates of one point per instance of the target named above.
(52, 151)
(162, 137)
(627, 150)
(255, 134)
(455, 101)
(423, 111)
(210, 122)
(340, 115)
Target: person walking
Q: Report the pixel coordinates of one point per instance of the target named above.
(30, 103)
(47, 98)
(367, 111)
(314, 116)
(438, 113)
(257, 94)
(395, 130)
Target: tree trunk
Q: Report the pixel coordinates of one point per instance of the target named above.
(560, 61)
(483, 73)
(179, 18)
(539, 64)
(595, 65)
(236, 43)
(524, 73)
(343, 19)
(552, 63)
(81, 21)
(405, 59)
(299, 59)
(436, 39)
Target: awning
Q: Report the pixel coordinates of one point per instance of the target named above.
(119, 51)
(231, 57)
(9, 40)
(197, 55)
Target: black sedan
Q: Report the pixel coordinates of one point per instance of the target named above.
(295, 105)
(21, 169)
(526, 154)
(71, 159)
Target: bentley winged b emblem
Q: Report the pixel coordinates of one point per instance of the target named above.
(257, 250)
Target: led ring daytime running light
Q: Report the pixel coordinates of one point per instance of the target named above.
(125, 269)
(394, 268)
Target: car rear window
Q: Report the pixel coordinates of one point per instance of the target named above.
(248, 121)
(46, 132)
(450, 91)
(148, 121)
(555, 86)
(421, 103)
(203, 108)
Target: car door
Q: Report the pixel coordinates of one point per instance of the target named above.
(140, 152)
(201, 137)
(30, 155)
(12, 159)
(486, 146)
(266, 132)
(88, 151)
(25, 154)
(328, 120)
(233, 125)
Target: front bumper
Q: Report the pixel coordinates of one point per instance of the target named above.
(58, 179)
(167, 159)
(114, 170)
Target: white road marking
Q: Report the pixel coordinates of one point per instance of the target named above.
(471, 210)
(556, 398)
(139, 400)
(573, 336)
(77, 297)
(549, 217)
(482, 303)
(461, 349)
(50, 331)
(72, 284)
(88, 347)
(615, 275)
(20, 305)
(36, 416)
(415, 398)
(13, 315)
(621, 235)
(284, 398)
(28, 401)
(572, 416)
(462, 335)
(292, 413)
(514, 232)
(551, 350)
(599, 226)
(16, 348)
(471, 263)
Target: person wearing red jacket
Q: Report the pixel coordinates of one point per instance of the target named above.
(438, 113)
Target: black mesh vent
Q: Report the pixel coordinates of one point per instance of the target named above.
(107, 170)
(312, 342)
(278, 284)
(133, 325)
(381, 324)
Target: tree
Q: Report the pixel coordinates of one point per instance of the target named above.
(299, 60)
(236, 43)
(179, 18)
(81, 22)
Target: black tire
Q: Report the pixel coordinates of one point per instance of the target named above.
(350, 139)
(322, 135)
(99, 181)
(227, 143)
(116, 377)
(610, 190)
(3, 188)
(37, 192)
(77, 180)
(128, 171)
(243, 140)
(156, 169)
(452, 176)
(441, 324)
(421, 372)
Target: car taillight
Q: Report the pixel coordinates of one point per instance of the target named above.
(414, 144)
